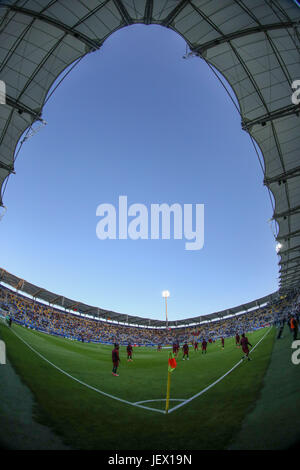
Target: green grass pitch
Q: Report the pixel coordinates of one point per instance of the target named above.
(86, 419)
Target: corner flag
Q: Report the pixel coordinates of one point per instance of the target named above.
(172, 363)
(171, 366)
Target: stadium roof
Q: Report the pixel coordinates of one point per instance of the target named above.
(254, 44)
(69, 304)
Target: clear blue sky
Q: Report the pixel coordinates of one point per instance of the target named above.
(136, 119)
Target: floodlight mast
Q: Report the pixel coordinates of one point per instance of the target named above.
(166, 294)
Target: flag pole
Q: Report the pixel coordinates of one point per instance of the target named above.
(168, 392)
(166, 312)
(166, 294)
(171, 366)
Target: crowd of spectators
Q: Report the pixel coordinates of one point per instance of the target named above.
(32, 314)
(289, 315)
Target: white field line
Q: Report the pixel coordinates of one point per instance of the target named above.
(139, 403)
(159, 399)
(218, 380)
(83, 383)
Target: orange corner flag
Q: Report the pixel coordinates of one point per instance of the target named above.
(172, 363)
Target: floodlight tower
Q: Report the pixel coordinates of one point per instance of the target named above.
(166, 294)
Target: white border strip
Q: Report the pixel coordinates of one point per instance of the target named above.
(138, 404)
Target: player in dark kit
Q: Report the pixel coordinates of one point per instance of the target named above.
(237, 340)
(204, 345)
(222, 340)
(129, 352)
(196, 346)
(115, 359)
(185, 350)
(245, 343)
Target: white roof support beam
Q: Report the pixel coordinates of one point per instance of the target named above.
(91, 44)
(282, 177)
(277, 114)
(262, 28)
(21, 108)
(148, 12)
(289, 235)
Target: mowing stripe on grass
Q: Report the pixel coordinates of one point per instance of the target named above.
(218, 380)
(139, 403)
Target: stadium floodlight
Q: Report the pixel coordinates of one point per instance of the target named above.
(278, 247)
(166, 294)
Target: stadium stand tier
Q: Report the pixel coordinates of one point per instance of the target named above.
(71, 305)
(35, 315)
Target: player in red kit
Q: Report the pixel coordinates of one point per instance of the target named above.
(185, 350)
(115, 359)
(245, 343)
(204, 345)
(237, 340)
(222, 341)
(175, 348)
(196, 346)
(129, 352)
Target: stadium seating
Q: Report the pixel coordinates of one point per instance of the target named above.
(32, 314)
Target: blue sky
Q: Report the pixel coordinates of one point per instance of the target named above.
(136, 119)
